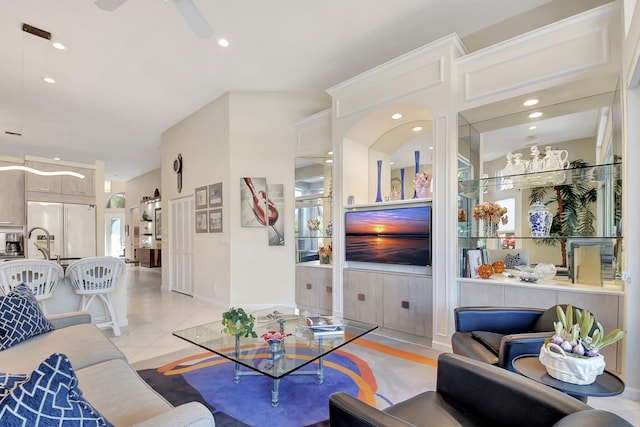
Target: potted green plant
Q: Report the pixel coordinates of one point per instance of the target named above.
(238, 322)
(572, 354)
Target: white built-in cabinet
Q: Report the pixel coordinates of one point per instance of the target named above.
(314, 289)
(396, 301)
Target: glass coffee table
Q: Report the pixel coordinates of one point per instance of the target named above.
(306, 345)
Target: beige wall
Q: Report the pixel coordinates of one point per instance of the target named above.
(239, 134)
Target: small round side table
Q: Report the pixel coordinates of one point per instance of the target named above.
(606, 384)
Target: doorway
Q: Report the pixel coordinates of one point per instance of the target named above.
(114, 242)
(181, 245)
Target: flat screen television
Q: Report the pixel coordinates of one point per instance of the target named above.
(392, 235)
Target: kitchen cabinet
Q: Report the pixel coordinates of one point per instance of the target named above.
(78, 187)
(60, 188)
(12, 201)
(397, 301)
(314, 289)
(41, 183)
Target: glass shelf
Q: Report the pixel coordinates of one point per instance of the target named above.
(587, 175)
(558, 238)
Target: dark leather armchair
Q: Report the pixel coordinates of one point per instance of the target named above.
(473, 393)
(497, 335)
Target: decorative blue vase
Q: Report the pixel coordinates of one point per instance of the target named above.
(402, 184)
(379, 193)
(539, 220)
(417, 169)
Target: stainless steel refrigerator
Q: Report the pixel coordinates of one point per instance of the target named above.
(71, 227)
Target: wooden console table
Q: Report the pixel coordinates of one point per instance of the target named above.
(149, 257)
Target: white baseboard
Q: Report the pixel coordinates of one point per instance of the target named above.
(631, 393)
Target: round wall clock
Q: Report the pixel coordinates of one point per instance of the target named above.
(177, 168)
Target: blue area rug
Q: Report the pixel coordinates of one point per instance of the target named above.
(303, 402)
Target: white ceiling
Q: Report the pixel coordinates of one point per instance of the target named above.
(130, 74)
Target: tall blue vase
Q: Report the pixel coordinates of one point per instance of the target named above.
(417, 169)
(402, 184)
(379, 193)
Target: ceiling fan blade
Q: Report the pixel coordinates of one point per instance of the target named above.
(194, 18)
(109, 5)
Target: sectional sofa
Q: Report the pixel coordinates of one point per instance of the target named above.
(106, 380)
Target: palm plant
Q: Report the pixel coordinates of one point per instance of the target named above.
(574, 216)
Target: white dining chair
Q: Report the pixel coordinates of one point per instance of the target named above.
(41, 276)
(97, 277)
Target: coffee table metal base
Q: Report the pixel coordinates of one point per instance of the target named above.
(275, 390)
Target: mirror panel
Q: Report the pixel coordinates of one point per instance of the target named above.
(588, 128)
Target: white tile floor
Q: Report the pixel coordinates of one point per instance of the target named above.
(154, 314)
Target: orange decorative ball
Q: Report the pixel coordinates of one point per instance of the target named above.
(498, 267)
(485, 271)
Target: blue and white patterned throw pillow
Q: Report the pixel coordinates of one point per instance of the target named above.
(9, 382)
(20, 317)
(50, 397)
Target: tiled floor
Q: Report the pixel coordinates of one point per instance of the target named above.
(153, 314)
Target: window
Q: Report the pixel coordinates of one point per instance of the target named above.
(116, 201)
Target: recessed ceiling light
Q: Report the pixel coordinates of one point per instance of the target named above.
(396, 116)
(49, 80)
(530, 102)
(223, 42)
(56, 158)
(535, 115)
(533, 127)
(58, 45)
(417, 129)
(330, 153)
(328, 161)
(431, 148)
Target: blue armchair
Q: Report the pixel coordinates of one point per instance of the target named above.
(497, 335)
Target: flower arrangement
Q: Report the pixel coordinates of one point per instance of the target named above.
(462, 215)
(576, 338)
(422, 179)
(325, 251)
(274, 336)
(421, 183)
(313, 224)
(491, 212)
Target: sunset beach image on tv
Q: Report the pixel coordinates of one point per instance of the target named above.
(389, 236)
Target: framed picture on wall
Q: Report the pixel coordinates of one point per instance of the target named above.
(253, 202)
(201, 197)
(202, 222)
(215, 221)
(215, 195)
